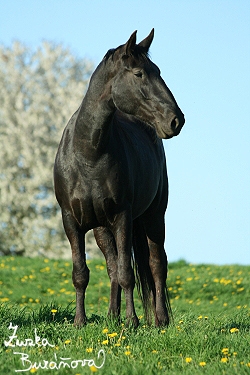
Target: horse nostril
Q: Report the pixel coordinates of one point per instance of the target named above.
(174, 123)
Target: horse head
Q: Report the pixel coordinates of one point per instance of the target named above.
(137, 88)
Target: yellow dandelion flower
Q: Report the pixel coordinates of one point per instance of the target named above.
(240, 290)
(105, 330)
(33, 370)
(224, 360)
(200, 317)
(163, 331)
(188, 359)
(202, 364)
(111, 335)
(225, 351)
(105, 342)
(54, 311)
(234, 330)
(93, 369)
(67, 342)
(89, 350)
(248, 364)
(154, 351)
(127, 352)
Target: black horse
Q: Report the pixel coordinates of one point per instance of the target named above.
(110, 175)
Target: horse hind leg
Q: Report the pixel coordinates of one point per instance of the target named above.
(158, 265)
(80, 272)
(106, 242)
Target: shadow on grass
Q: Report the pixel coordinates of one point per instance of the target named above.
(45, 314)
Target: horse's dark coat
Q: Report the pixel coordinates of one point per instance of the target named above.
(110, 175)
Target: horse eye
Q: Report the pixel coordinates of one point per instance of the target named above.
(138, 74)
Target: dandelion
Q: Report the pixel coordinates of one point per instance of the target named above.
(89, 350)
(163, 331)
(33, 370)
(105, 330)
(154, 351)
(188, 359)
(200, 317)
(202, 364)
(67, 342)
(240, 290)
(54, 311)
(93, 369)
(224, 360)
(127, 352)
(225, 351)
(234, 330)
(111, 335)
(105, 342)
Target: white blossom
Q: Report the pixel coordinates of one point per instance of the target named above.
(39, 91)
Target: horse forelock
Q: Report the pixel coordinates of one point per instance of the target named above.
(138, 52)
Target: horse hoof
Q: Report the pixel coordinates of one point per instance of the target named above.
(114, 317)
(132, 322)
(162, 322)
(80, 321)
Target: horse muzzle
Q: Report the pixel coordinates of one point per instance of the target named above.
(172, 128)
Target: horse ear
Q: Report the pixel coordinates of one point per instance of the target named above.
(146, 43)
(131, 43)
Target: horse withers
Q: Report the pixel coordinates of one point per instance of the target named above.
(110, 175)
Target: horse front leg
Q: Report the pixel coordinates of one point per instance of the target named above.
(106, 242)
(126, 278)
(80, 272)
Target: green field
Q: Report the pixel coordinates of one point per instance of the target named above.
(210, 333)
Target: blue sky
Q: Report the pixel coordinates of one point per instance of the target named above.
(203, 51)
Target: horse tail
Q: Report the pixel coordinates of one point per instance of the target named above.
(144, 279)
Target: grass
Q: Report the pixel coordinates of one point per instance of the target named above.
(210, 334)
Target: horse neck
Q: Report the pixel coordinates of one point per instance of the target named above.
(93, 123)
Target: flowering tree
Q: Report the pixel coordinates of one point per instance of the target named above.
(39, 90)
